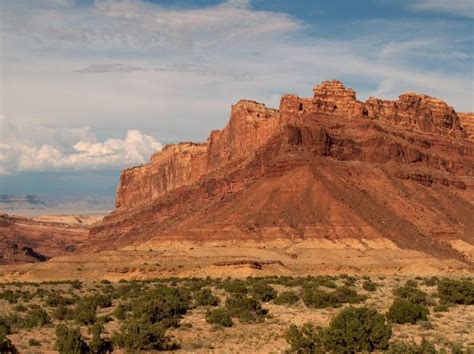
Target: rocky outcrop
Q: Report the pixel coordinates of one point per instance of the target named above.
(251, 125)
(420, 112)
(175, 166)
(24, 240)
(467, 122)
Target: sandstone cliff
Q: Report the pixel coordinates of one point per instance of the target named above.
(251, 125)
(328, 167)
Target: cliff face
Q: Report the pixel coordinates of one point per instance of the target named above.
(251, 125)
(467, 121)
(174, 166)
(324, 167)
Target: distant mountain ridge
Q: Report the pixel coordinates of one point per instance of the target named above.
(12, 201)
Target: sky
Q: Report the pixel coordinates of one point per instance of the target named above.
(89, 87)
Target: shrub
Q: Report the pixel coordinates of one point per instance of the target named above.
(33, 342)
(263, 292)
(411, 294)
(246, 309)
(234, 286)
(69, 340)
(405, 311)
(344, 294)
(351, 330)
(425, 347)
(120, 312)
(85, 312)
(307, 339)
(97, 344)
(6, 346)
(411, 283)
(76, 284)
(37, 317)
(432, 281)
(204, 297)
(20, 308)
(137, 335)
(456, 291)
(369, 285)
(321, 299)
(357, 329)
(441, 308)
(219, 317)
(55, 300)
(287, 297)
(163, 304)
(62, 313)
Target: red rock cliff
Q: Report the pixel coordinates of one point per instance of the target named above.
(174, 166)
(251, 125)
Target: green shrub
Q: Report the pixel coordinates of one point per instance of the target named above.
(307, 339)
(85, 312)
(351, 330)
(286, 297)
(357, 329)
(441, 308)
(456, 291)
(120, 312)
(317, 298)
(36, 318)
(34, 342)
(55, 300)
(425, 347)
(369, 285)
(137, 335)
(411, 294)
(246, 309)
(219, 317)
(69, 340)
(20, 308)
(431, 281)
(263, 292)
(234, 286)
(163, 304)
(98, 345)
(204, 297)
(405, 311)
(62, 313)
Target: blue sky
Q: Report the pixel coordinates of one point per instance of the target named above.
(100, 85)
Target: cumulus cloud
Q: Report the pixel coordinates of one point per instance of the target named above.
(20, 155)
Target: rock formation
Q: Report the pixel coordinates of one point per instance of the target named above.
(328, 166)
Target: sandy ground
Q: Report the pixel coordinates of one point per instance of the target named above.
(149, 261)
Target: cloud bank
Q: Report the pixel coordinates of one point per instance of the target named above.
(20, 155)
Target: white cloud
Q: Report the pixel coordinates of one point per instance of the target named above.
(463, 8)
(20, 155)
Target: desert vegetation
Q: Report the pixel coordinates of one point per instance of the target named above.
(313, 314)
